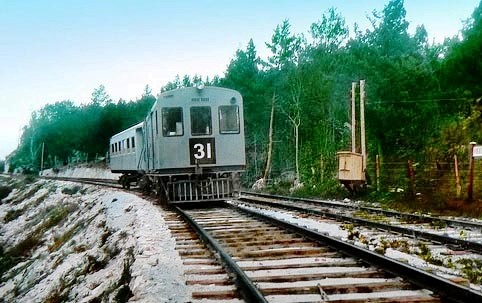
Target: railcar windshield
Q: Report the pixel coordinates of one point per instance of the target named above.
(229, 119)
(201, 120)
(172, 124)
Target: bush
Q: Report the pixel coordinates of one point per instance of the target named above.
(4, 191)
(13, 214)
(71, 190)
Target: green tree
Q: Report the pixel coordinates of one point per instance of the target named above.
(462, 69)
(330, 32)
(100, 96)
(285, 47)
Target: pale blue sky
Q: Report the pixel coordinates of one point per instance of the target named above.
(57, 50)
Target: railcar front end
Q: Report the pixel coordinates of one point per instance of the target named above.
(194, 144)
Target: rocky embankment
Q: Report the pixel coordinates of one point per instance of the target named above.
(66, 242)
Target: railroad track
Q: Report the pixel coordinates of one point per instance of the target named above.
(275, 261)
(205, 276)
(91, 181)
(260, 259)
(458, 233)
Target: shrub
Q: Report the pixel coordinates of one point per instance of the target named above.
(71, 190)
(13, 214)
(4, 191)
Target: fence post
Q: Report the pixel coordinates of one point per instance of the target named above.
(458, 187)
(377, 172)
(411, 177)
(470, 186)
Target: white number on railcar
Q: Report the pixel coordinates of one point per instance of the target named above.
(202, 151)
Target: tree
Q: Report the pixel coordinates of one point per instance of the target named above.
(100, 96)
(462, 69)
(293, 112)
(284, 46)
(147, 91)
(331, 32)
(390, 35)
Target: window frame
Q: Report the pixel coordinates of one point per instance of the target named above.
(238, 120)
(210, 121)
(165, 132)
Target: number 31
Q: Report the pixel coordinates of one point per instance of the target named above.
(201, 151)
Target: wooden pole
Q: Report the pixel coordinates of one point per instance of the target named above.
(42, 160)
(470, 186)
(411, 177)
(270, 141)
(377, 172)
(362, 124)
(458, 187)
(322, 168)
(353, 118)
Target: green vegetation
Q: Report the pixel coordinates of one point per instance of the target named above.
(71, 190)
(426, 254)
(4, 191)
(24, 247)
(423, 104)
(471, 269)
(68, 130)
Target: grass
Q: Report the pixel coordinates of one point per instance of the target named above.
(4, 191)
(62, 239)
(371, 216)
(23, 249)
(71, 190)
(124, 292)
(426, 255)
(471, 269)
(13, 214)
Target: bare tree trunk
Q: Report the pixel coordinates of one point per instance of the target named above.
(270, 140)
(297, 151)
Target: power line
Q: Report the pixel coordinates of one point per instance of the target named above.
(415, 101)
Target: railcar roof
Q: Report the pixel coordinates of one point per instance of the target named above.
(191, 91)
(136, 126)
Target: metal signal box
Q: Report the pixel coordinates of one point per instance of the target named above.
(350, 166)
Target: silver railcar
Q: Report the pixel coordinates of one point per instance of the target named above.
(189, 148)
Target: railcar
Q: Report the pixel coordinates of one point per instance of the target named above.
(189, 148)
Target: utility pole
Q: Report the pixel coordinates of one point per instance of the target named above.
(42, 159)
(470, 186)
(362, 124)
(353, 118)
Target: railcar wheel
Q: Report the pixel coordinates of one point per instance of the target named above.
(145, 184)
(122, 181)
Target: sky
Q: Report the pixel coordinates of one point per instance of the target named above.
(62, 50)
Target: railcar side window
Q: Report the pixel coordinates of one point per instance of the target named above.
(172, 124)
(229, 119)
(201, 120)
(133, 142)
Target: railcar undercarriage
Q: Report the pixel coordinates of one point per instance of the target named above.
(213, 186)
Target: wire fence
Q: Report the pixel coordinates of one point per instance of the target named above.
(451, 179)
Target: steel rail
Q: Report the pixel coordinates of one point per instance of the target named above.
(470, 245)
(446, 289)
(424, 218)
(107, 181)
(248, 290)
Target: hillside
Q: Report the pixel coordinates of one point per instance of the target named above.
(61, 241)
